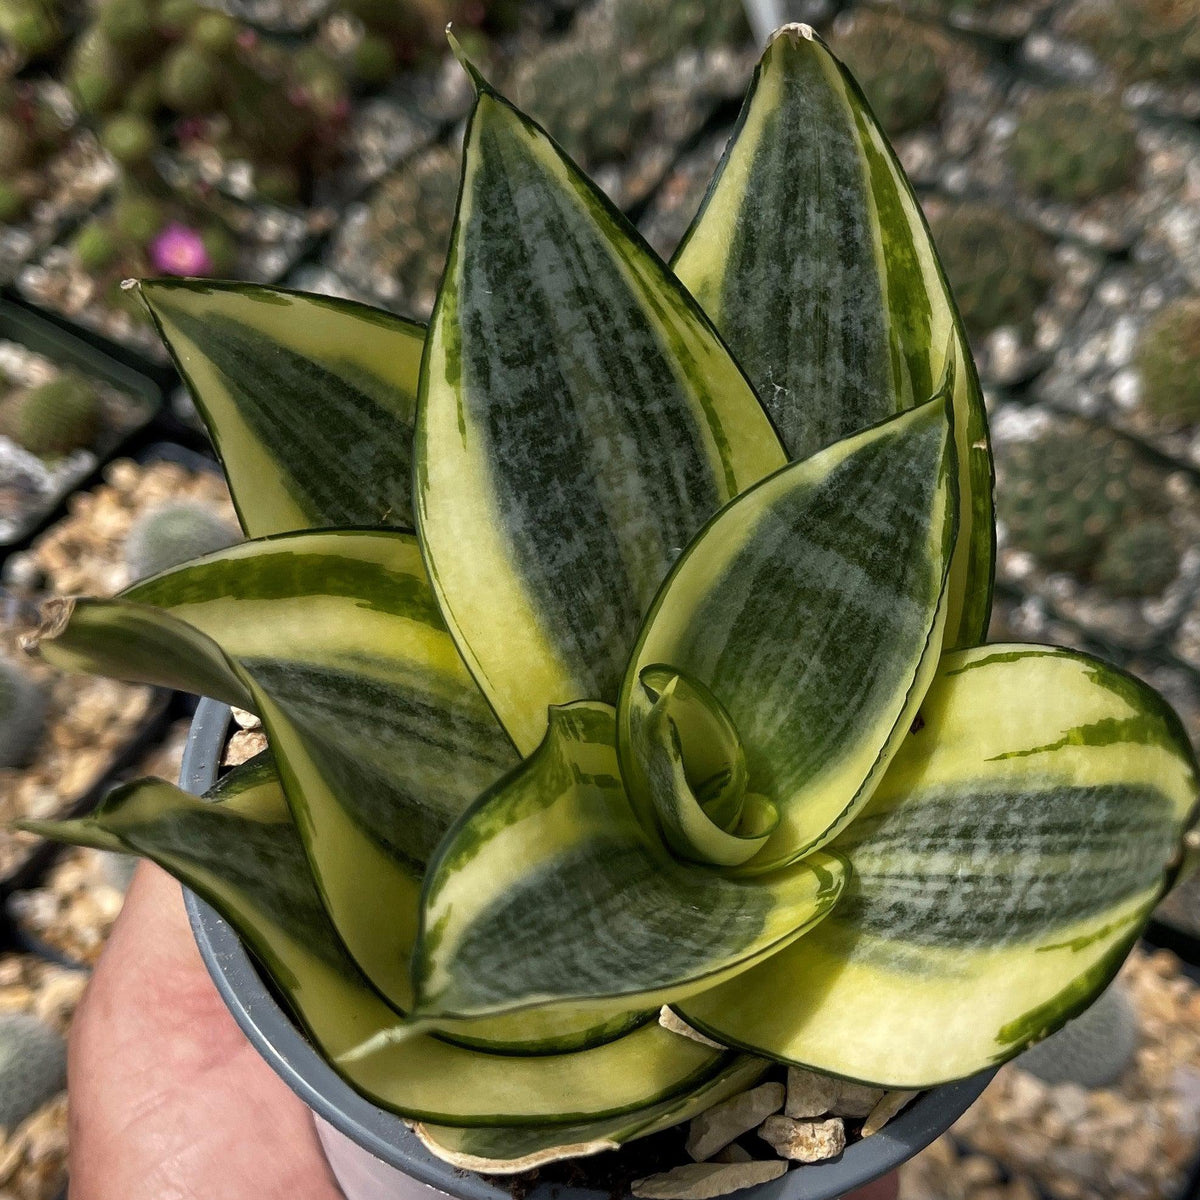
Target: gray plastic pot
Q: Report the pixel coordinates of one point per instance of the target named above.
(373, 1153)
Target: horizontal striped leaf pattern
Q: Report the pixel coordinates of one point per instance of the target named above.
(505, 1151)
(549, 891)
(380, 734)
(578, 422)
(240, 850)
(812, 609)
(309, 399)
(1000, 874)
(811, 256)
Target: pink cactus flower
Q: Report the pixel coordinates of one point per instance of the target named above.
(178, 250)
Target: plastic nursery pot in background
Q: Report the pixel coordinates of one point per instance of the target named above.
(374, 1154)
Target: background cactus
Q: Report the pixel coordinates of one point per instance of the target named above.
(411, 216)
(55, 418)
(32, 27)
(898, 66)
(1094, 1049)
(33, 1066)
(1074, 145)
(172, 533)
(22, 715)
(1168, 361)
(1139, 560)
(1073, 496)
(998, 265)
(1151, 39)
(31, 133)
(586, 96)
(658, 31)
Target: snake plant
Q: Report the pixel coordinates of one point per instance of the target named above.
(618, 643)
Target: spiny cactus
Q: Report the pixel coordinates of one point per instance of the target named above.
(1151, 39)
(997, 264)
(410, 220)
(55, 418)
(1068, 493)
(1094, 1049)
(172, 533)
(22, 715)
(583, 93)
(1168, 361)
(1139, 560)
(33, 1066)
(660, 29)
(897, 63)
(1074, 145)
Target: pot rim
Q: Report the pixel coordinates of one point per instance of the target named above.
(388, 1137)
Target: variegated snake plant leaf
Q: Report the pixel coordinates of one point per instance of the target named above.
(617, 641)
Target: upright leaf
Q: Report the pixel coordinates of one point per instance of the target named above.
(309, 399)
(549, 890)
(243, 855)
(380, 734)
(811, 609)
(578, 422)
(1000, 874)
(812, 257)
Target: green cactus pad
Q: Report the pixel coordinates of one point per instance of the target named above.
(1074, 145)
(55, 418)
(22, 715)
(1168, 361)
(898, 66)
(174, 533)
(998, 265)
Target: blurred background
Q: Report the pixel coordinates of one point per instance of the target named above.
(1055, 145)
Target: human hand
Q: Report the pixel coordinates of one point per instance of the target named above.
(168, 1100)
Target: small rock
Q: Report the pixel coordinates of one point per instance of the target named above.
(716, 1128)
(809, 1094)
(243, 746)
(804, 1141)
(855, 1099)
(733, 1153)
(699, 1181)
(887, 1107)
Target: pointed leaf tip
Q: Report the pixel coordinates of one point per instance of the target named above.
(478, 82)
